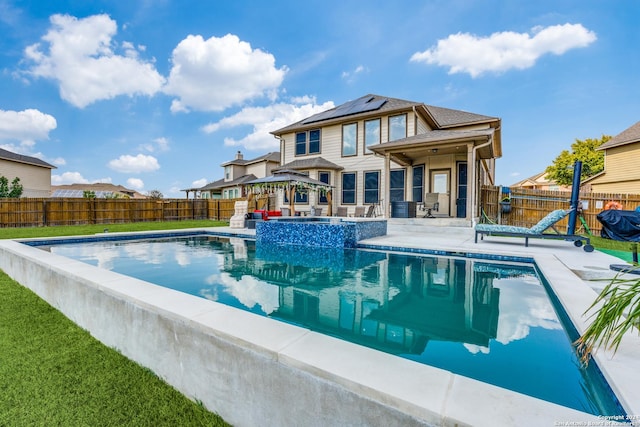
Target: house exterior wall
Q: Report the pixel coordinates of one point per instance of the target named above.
(622, 174)
(261, 169)
(35, 180)
(365, 161)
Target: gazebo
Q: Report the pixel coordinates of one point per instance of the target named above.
(289, 181)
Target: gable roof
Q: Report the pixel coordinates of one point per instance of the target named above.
(628, 136)
(372, 105)
(313, 163)
(273, 156)
(28, 160)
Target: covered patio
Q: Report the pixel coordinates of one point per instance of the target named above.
(454, 164)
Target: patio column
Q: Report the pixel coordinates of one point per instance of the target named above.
(471, 178)
(387, 184)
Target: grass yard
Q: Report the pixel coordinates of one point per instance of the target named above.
(54, 373)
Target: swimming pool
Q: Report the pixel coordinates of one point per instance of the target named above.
(492, 322)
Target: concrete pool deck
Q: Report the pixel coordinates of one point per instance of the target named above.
(250, 369)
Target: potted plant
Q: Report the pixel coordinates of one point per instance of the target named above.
(505, 204)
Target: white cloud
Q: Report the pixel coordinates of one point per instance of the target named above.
(468, 53)
(58, 161)
(135, 184)
(25, 126)
(199, 183)
(350, 76)
(79, 55)
(214, 74)
(134, 164)
(69, 178)
(266, 119)
(158, 144)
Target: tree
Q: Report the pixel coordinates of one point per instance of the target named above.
(155, 195)
(561, 171)
(89, 194)
(14, 190)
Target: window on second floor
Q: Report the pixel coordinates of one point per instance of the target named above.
(371, 133)
(227, 173)
(397, 127)
(308, 142)
(350, 139)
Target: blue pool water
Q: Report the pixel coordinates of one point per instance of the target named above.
(484, 320)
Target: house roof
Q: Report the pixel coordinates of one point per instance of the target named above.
(34, 161)
(98, 187)
(532, 180)
(437, 137)
(446, 117)
(313, 163)
(372, 105)
(628, 136)
(221, 183)
(273, 156)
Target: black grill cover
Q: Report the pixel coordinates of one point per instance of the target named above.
(620, 225)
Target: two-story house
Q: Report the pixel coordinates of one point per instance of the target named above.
(377, 149)
(621, 173)
(34, 174)
(236, 173)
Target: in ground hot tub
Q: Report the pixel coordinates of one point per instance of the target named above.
(320, 231)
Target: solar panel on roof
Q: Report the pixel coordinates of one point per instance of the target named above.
(356, 106)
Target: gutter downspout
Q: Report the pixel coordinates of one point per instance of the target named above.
(474, 181)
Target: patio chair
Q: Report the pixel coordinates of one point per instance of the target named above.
(535, 232)
(430, 204)
(359, 211)
(285, 211)
(370, 211)
(238, 218)
(341, 211)
(316, 211)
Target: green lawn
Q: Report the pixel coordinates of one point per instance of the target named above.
(54, 373)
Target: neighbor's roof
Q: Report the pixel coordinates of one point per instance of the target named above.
(313, 163)
(273, 156)
(221, 183)
(628, 136)
(437, 117)
(8, 155)
(98, 188)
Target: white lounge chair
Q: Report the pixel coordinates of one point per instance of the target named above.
(240, 215)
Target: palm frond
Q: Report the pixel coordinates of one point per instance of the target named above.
(618, 313)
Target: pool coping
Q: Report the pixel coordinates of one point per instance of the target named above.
(424, 394)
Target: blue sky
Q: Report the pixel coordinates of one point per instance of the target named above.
(155, 95)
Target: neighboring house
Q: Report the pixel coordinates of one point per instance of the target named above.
(237, 172)
(540, 182)
(34, 174)
(377, 149)
(100, 189)
(621, 173)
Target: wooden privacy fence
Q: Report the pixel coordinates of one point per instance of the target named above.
(32, 212)
(530, 206)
